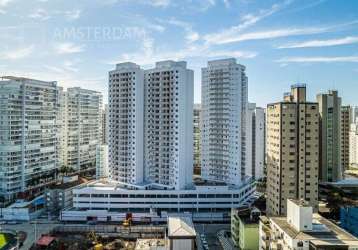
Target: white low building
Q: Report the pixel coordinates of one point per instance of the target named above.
(303, 230)
(110, 201)
(181, 233)
(23, 210)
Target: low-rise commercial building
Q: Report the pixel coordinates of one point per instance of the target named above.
(23, 210)
(303, 229)
(59, 196)
(110, 201)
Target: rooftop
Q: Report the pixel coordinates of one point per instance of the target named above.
(301, 203)
(248, 215)
(324, 232)
(67, 185)
(181, 227)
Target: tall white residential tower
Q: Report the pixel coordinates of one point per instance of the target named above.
(256, 141)
(224, 121)
(169, 124)
(151, 124)
(126, 123)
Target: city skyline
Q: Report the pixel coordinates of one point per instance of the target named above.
(76, 44)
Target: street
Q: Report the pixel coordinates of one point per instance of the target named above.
(210, 230)
(29, 229)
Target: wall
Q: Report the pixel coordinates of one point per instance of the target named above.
(349, 219)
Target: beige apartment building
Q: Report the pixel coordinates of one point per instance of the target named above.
(292, 151)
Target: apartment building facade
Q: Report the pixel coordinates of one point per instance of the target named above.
(292, 151)
(126, 123)
(105, 127)
(353, 145)
(330, 164)
(345, 127)
(28, 135)
(151, 124)
(223, 133)
(102, 170)
(82, 128)
(256, 142)
(197, 138)
(169, 94)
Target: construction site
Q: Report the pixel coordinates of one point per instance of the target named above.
(124, 237)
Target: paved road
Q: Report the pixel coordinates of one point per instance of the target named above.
(30, 231)
(210, 231)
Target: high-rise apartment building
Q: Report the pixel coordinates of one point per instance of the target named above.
(62, 127)
(126, 123)
(256, 141)
(28, 135)
(292, 144)
(102, 170)
(345, 127)
(197, 140)
(330, 165)
(151, 108)
(105, 127)
(82, 125)
(223, 133)
(353, 145)
(169, 93)
(151, 150)
(353, 114)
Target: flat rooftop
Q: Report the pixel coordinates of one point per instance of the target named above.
(67, 185)
(324, 232)
(301, 203)
(198, 184)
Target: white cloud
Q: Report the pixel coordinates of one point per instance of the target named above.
(318, 59)
(3, 5)
(40, 14)
(191, 35)
(154, 3)
(154, 26)
(159, 3)
(229, 53)
(150, 54)
(72, 14)
(321, 43)
(247, 21)
(227, 3)
(68, 48)
(17, 53)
